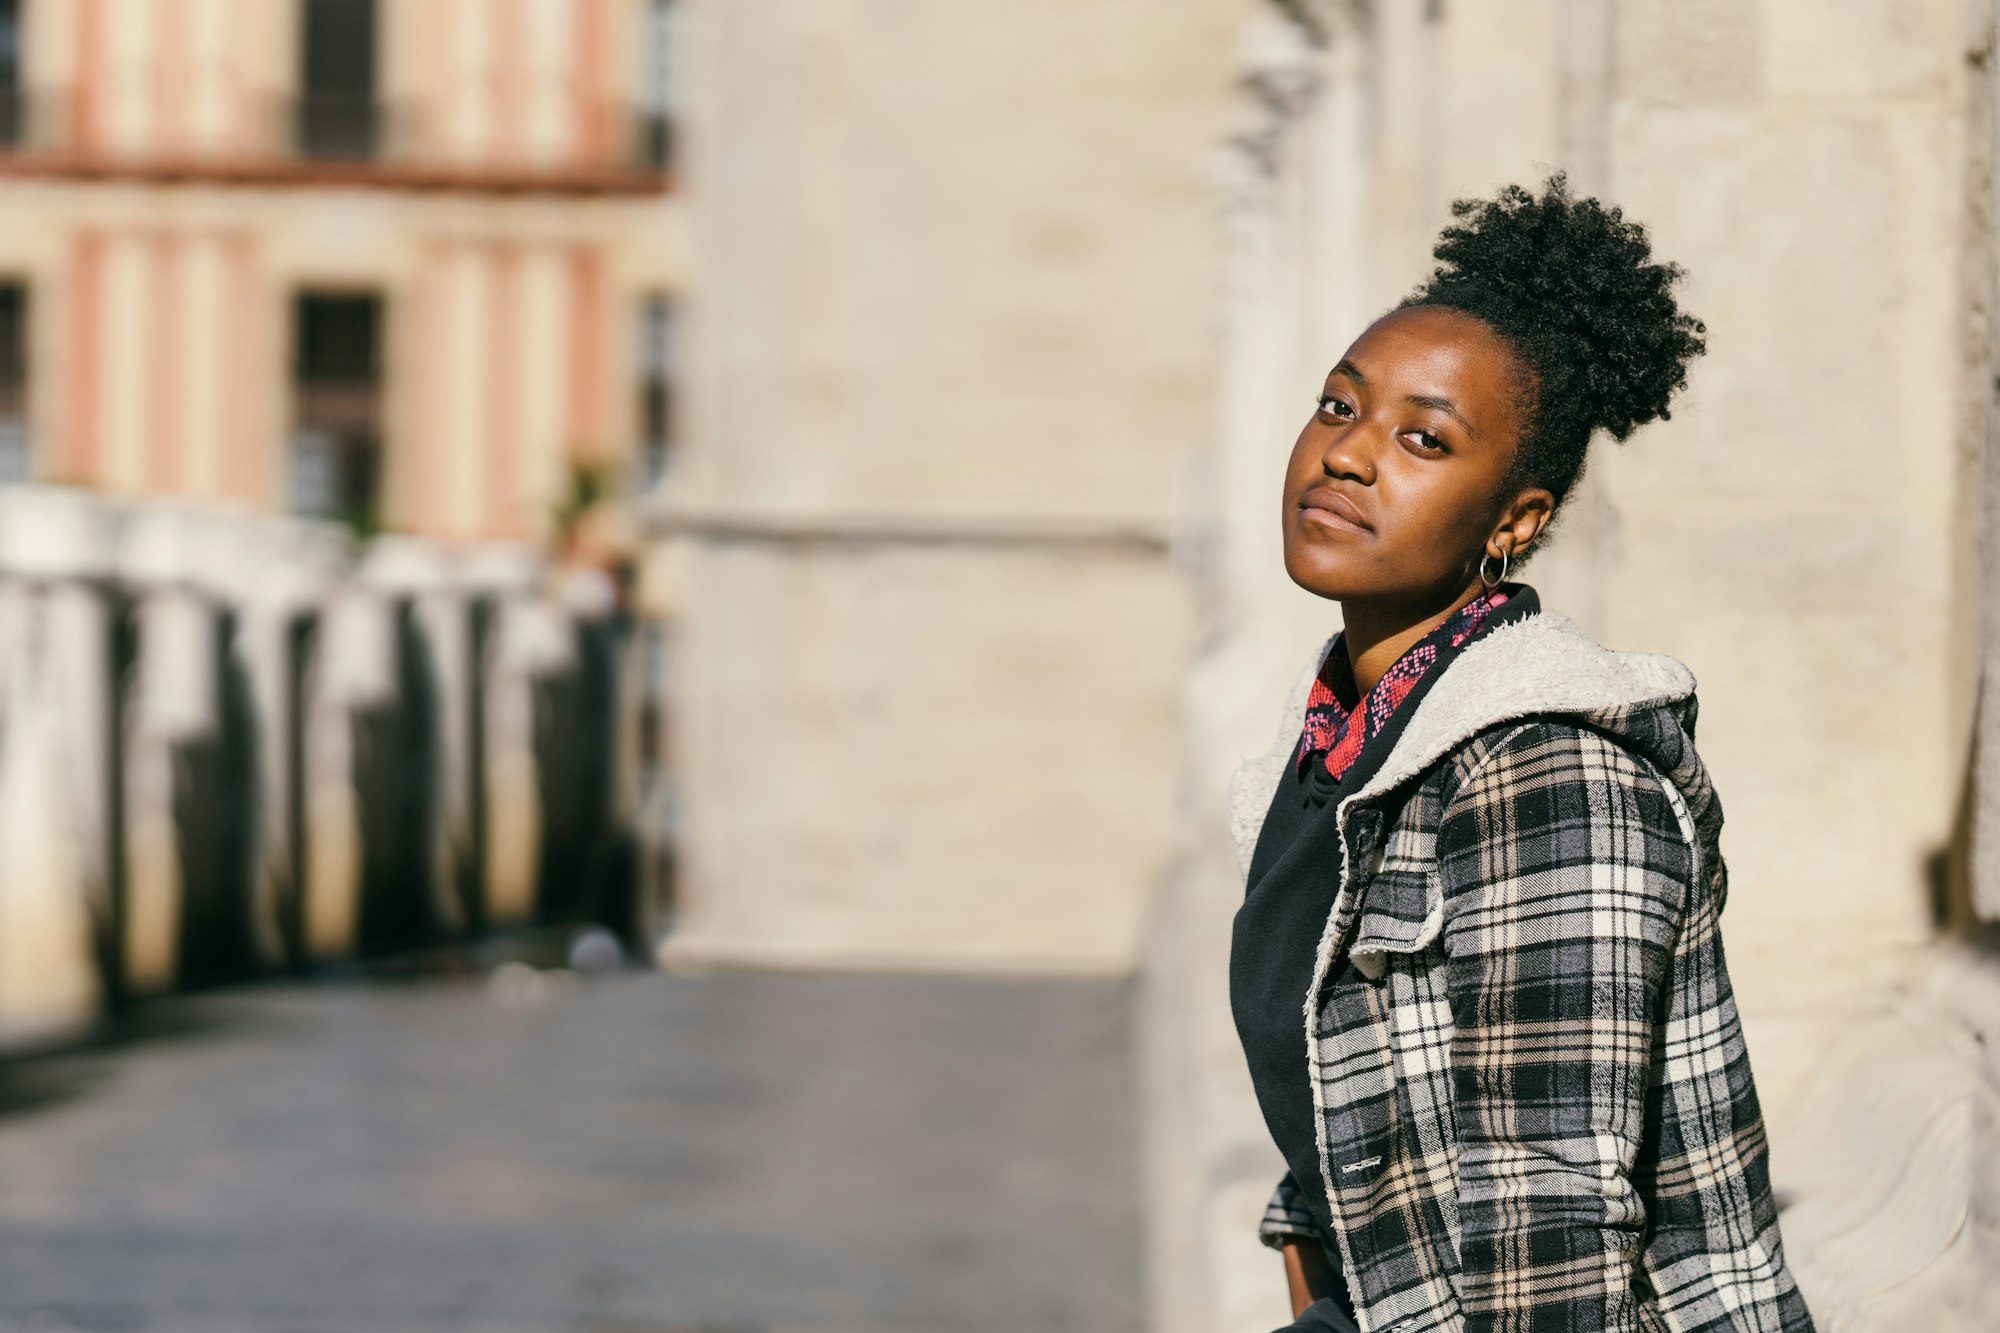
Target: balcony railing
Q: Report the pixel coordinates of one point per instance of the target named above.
(619, 148)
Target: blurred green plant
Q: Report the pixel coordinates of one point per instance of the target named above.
(589, 481)
(362, 519)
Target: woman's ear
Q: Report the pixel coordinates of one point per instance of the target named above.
(1524, 518)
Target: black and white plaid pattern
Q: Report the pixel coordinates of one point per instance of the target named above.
(1536, 1106)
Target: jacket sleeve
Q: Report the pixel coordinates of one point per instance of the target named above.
(1566, 869)
(1286, 1218)
(1322, 1316)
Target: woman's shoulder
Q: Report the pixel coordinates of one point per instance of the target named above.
(1575, 764)
(1534, 670)
(1551, 751)
(1556, 793)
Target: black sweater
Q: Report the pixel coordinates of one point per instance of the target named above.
(1293, 876)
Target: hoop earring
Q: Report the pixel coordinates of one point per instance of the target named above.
(1505, 557)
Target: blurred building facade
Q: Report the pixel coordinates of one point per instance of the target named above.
(409, 263)
(323, 325)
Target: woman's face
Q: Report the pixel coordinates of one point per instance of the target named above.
(1415, 429)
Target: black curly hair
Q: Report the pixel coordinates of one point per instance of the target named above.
(1572, 287)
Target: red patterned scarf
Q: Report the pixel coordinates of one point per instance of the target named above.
(1330, 727)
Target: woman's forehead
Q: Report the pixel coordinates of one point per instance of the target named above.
(1436, 351)
(1430, 339)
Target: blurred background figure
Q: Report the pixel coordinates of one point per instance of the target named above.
(782, 490)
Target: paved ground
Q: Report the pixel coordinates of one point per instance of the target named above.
(630, 1153)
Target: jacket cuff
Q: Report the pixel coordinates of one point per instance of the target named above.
(1286, 1218)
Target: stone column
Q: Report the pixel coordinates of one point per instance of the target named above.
(1211, 1165)
(58, 926)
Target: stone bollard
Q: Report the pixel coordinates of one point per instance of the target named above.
(347, 683)
(189, 773)
(523, 642)
(374, 671)
(58, 926)
(658, 599)
(432, 647)
(286, 570)
(580, 745)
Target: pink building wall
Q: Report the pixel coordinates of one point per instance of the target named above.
(165, 231)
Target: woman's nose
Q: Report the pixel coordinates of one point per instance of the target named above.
(1351, 453)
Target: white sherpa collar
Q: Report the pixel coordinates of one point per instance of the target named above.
(1541, 663)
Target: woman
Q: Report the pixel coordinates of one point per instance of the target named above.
(1477, 970)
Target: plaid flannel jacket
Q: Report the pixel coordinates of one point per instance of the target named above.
(1536, 1110)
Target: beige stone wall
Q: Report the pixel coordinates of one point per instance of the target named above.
(953, 268)
(1794, 546)
(1798, 534)
(1807, 556)
(951, 360)
(954, 758)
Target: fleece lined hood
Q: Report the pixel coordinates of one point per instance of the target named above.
(1539, 665)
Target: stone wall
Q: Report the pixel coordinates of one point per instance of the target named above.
(1804, 534)
(950, 360)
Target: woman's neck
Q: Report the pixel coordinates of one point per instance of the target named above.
(1379, 633)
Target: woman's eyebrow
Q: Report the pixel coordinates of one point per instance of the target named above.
(1445, 405)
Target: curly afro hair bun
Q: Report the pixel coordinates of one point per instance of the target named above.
(1573, 287)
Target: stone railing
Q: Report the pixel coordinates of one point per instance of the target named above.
(233, 746)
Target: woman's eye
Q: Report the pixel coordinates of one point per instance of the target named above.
(1335, 407)
(1431, 443)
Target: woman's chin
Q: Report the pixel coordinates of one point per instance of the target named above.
(1332, 579)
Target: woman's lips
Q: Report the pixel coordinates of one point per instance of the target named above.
(1330, 509)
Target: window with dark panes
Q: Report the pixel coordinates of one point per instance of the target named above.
(661, 84)
(336, 440)
(14, 443)
(13, 110)
(656, 376)
(339, 116)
